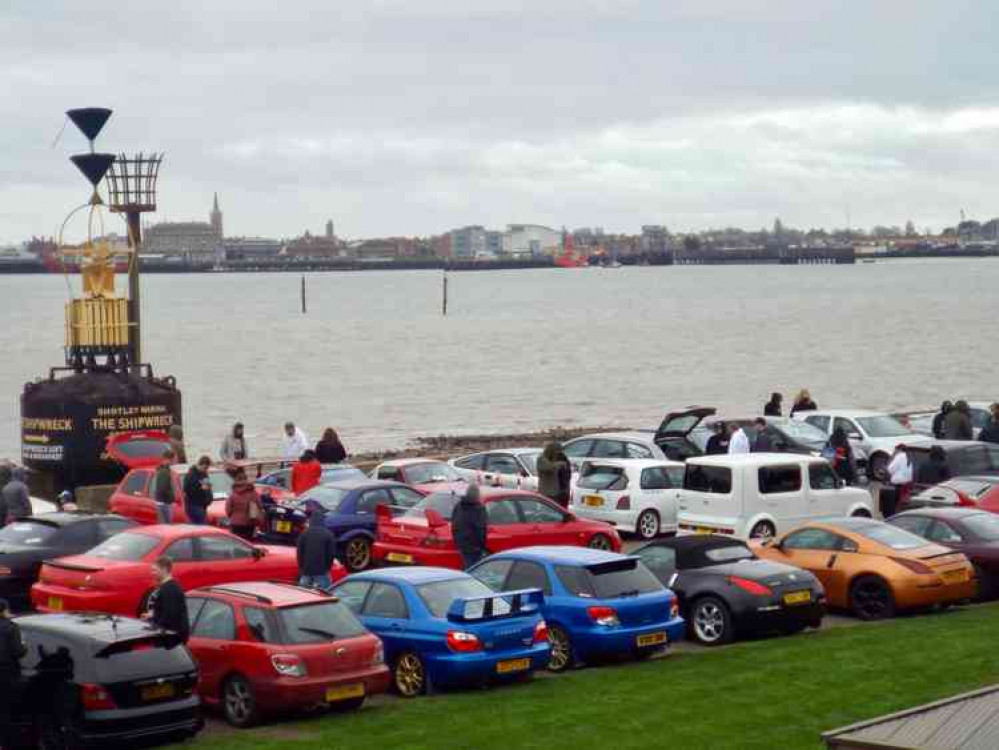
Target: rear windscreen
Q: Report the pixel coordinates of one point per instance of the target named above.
(603, 478)
(144, 659)
(27, 533)
(127, 546)
(143, 448)
(442, 502)
(315, 623)
(609, 580)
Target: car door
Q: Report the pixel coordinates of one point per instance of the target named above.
(132, 497)
(825, 494)
(366, 510)
(658, 492)
(577, 450)
(226, 559)
(212, 633)
(187, 568)
(505, 528)
(543, 523)
(502, 470)
(820, 551)
(385, 612)
(780, 494)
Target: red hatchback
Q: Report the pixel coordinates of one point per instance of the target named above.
(133, 497)
(422, 535)
(272, 648)
(116, 576)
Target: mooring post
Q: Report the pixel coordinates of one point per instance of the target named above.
(444, 295)
(303, 294)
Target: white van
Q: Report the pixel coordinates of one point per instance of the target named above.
(759, 495)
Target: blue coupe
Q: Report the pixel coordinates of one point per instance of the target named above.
(597, 603)
(444, 628)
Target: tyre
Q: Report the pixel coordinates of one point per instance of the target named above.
(762, 530)
(877, 467)
(647, 526)
(871, 598)
(561, 657)
(357, 554)
(711, 622)
(794, 628)
(600, 541)
(239, 703)
(861, 513)
(986, 589)
(409, 675)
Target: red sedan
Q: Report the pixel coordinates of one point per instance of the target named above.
(116, 577)
(425, 474)
(422, 535)
(276, 648)
(133, 497)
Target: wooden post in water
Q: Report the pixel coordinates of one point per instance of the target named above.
(303, 295)
(444, 295)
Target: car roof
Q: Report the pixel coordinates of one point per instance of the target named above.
(94, 627)
(577, 556)
(414, 576)
(850, 523)
(694, 541)
(178, 530)
(644, 435)
(952, 513)
(635, 463)
(62, 518)
(515, 451)
(357, 483)
(410, 461)
(268, 593)
(754, 459)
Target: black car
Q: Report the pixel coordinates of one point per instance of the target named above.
(964, 457)
(726, 591)
(26, 543)
(675, 435)
(92, 680)
(786, 435)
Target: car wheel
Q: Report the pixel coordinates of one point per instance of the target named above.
(239, 704)
(877, 467)
(409, 675)
(762, 530)
(871, 598)
(357, 555)
(794, 628)
(647, 526)
(600, 541)
(711, 622)
(561, 657)
(985, 590)
(861, 514)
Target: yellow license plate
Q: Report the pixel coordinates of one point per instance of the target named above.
(594, 501)
(55, 603)
(651, 639)
(798, 597)
(703, 530)
(157, 692)
(284, 527)
(513, 665)
(345, 692)
(398, 557)
(956, 576)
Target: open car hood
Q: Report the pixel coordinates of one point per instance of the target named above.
(138, 448)
(677, 424)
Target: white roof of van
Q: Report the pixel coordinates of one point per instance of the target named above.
(637, 463)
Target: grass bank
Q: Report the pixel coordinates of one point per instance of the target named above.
(779, 693)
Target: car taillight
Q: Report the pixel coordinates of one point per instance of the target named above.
(288, 665)
(913, 565)
(606, 616)
(624, 503)
(5, 571)
(96, 698)
(674, 609)
(462, 642)
(432, 540)
(379, 656)
(541, 632)
(750, 587)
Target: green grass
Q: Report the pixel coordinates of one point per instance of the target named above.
(777, 693)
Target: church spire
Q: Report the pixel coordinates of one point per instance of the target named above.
(216, 217)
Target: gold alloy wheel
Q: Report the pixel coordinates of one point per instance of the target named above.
(561, 653)
(358, 554)
(409, 677)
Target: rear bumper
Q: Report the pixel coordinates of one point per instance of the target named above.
(73, 600)
(398, 554)
(289, 693)
(468, 669)
(910, 597)
(599, 641)
(779, 616)
(121, 726)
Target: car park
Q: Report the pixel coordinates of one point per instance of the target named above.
(971, 531)
(349, 509)
(93, 681)
(597, 604)
(426, 475)
(726, 591)
(872, 568)
(133, 497)
(267, 649)
(759, 495)
(785, 435)
(25, 544)
(636, 496)
(510, 467)
(116, 577)
(444, 628)
(963, 491)
(964, 457)
(422, 535)
(277, 483)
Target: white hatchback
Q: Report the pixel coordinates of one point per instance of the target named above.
(637, 496)
(516, 468)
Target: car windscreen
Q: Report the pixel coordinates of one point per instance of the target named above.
(442, 502)
(627, 577)
(890, 536)
(316, 623)
(883, 426)
(801, 432)
(27, 533)
(439, 596)
(327, 497)
(127, 546)
(602, 478)
(530, 461)
(430, 473)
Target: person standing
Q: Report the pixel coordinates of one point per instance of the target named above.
(11, 652)
(306, 473)
(564, 478)
(164, 495)
(900, 476)
(176, 433)
(330, 450)
(803, 402)
(990, 432)
(549, 467)
(198, 491)
(294, 443)
(939, 418)
(957, 425)
(243, 507)
(234, 445)
(761, 440)
(168, 604)
(718, 443)
(316, 551)
(738, 441)
(772, 408)
(935, 470)
(470, 527)
(16, 499)
(842, 460)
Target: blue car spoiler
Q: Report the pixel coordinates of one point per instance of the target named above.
(525, 601)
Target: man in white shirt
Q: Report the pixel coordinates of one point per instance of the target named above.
(294, 443)
(739, 442)
(900, 475)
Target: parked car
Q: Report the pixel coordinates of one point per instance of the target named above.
(444, 628)
(94, 681)
(510, 467)
(424, 474)
(759, 495)
(964, 457)
(682, 434)
(277, 483)
(965, 491)
(422, 535)
(25, 544)
(597, 604)
(636, 496)
(971, 531)
(873, 568)
(133, 497)
(726, 591)
(786, 435)
(873, 435)
(922, 422)
(349, 510)
(267, 649)
(116, 577)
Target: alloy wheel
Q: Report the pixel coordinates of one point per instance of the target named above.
(239, 702)
(762, 530)
(409, 676)
(600, 541)
(871, 599)
(358, 554)
(709, 622)
(561, 649)
(648, 524)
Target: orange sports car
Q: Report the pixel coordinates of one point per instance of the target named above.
(873, 568)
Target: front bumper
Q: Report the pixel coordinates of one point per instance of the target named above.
(290, 693)
(599, 641)
(451, 669)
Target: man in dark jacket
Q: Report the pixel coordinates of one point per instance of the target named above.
(198, 491)
(957, 424)
(470, 527)
(164, 488)
(168, 605)
(761, 444)
(316, 553)
(990, 432)
(938, 419)
(718, 443)
(16, 499)
(11, 651)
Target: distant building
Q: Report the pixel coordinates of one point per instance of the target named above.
(215, 218)
(386, 248)
(198, 240)
(654, 239)
(474, 242)
(530, 240)
(330, 234)
(310, 246)
(251, 248)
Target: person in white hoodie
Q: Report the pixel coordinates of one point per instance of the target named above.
(739, 442)
(294, 443)
(900, 474)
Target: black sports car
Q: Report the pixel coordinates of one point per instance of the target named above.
(725, 590)
(26, 543)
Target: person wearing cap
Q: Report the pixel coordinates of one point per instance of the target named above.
(234, 445)
(990, 432)
(11, 652)
(900, 475)
(65, 502)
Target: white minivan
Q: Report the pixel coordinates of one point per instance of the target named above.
(759, 495)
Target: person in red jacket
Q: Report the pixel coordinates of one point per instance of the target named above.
(306, 473)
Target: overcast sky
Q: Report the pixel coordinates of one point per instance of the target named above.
(417, 116)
